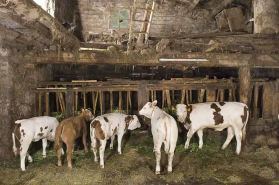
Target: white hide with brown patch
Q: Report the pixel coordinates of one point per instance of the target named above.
(106, 127)
(164, 130)
(216, 115)
(33, 129)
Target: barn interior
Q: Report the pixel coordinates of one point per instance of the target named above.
(59, 56)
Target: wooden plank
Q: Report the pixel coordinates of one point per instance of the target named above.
(111, 101)
(244, 84)
(84, 81)
(95, 102)
(172, 94)
(210, 95)
(163, 99)
(127, 103)
(84, 99)
(62, 105)
(56, 101)
(47, 104)
(201, 95)
(142, 96)
(187, 97)
(40, 104)
(190, 96)
(230, 94)
(130, 100)
(168, 99)
(120, 101)
(255, 105)
(70, 101)
(221, 95)
(155, 95)
(76, 103)
(152, 96)
(101, 102)
(182, 96)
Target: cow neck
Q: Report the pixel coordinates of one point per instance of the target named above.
(152, 113)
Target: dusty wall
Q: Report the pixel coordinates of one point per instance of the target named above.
(170, 17)
(64, 10)
(266, 16)
(17, 97)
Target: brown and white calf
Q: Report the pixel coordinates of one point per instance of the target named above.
(164, 130)
(68, 131)
(33, 129)
(216, 115)
(106, 127)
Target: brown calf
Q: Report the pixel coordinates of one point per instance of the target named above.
(69, 130)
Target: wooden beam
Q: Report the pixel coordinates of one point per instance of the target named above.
(105, 58)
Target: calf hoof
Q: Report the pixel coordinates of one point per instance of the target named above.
(70, 167)
(169, 171)
(95, 160)
(102, 166)
(119, 153)
(44, 156)
(59, 164)
(30, 160)
(157, 172)
(23, 170)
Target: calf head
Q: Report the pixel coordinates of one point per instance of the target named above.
(181, 112)
(132, 122)
(148, 109)
(87, 114)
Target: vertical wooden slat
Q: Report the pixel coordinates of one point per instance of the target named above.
(187, 97)
(62, 105)
(40, 104)
(57, 101)
(221, 94)
(168, 99)
(70, 101)
(47, 104)
(182, 96)
(95, 102)
(256, 97)
(172, 94)
(163, 98)
(230, 95)
(111, 101)
(218, 95)
(76, 103)
(155, 95)
(152, 95)
(234, 95)
(130, 100)
(120, 101)
(84, 99)
(127, 103)
(210, 95)
(101, 102)
(201, 95)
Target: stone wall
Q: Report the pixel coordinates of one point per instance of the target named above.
(17, 96)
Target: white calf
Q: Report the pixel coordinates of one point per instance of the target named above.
(216, 115)
(107, 126)
(164, 130)
(33, 129)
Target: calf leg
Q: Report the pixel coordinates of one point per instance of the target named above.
(84, 139)
(23, 151)
(70, 147)
(30, 160)
(119, 139)
(229, 138)
(58, 153)
(238, 136)
(200, 134)
(44, 141)
(102, 151)
(111, 142)
(189, 136)
(157, 148)
(94, 144)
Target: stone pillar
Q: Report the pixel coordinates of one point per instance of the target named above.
(266, 16)
(6, 106)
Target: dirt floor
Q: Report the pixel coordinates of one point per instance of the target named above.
(257, 165)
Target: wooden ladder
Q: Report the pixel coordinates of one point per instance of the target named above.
(146, 23)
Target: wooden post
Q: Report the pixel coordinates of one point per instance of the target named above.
(130, 100)
(62, 105)
(57, 101)
(84, 99)
(155, 95)
(168, 99)
(95, 102)
(70, 100)
(187, 97)
(244, 75)
(163, 99)
(210, 95)
(230, 95)
(40, 104)
(47, 104)
(152, 96)
(120, 101)
(183, 96)
(111, 101)
(101, 102)
(268, 98)
(256, 97)
(172, 94)
(142, 96)
(76, 103)
(201, 95)
(221, 94)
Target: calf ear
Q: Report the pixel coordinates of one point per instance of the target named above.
(154, 103)
(82, 110)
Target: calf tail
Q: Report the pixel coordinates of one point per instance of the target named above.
(245, 124)
(58, 139)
